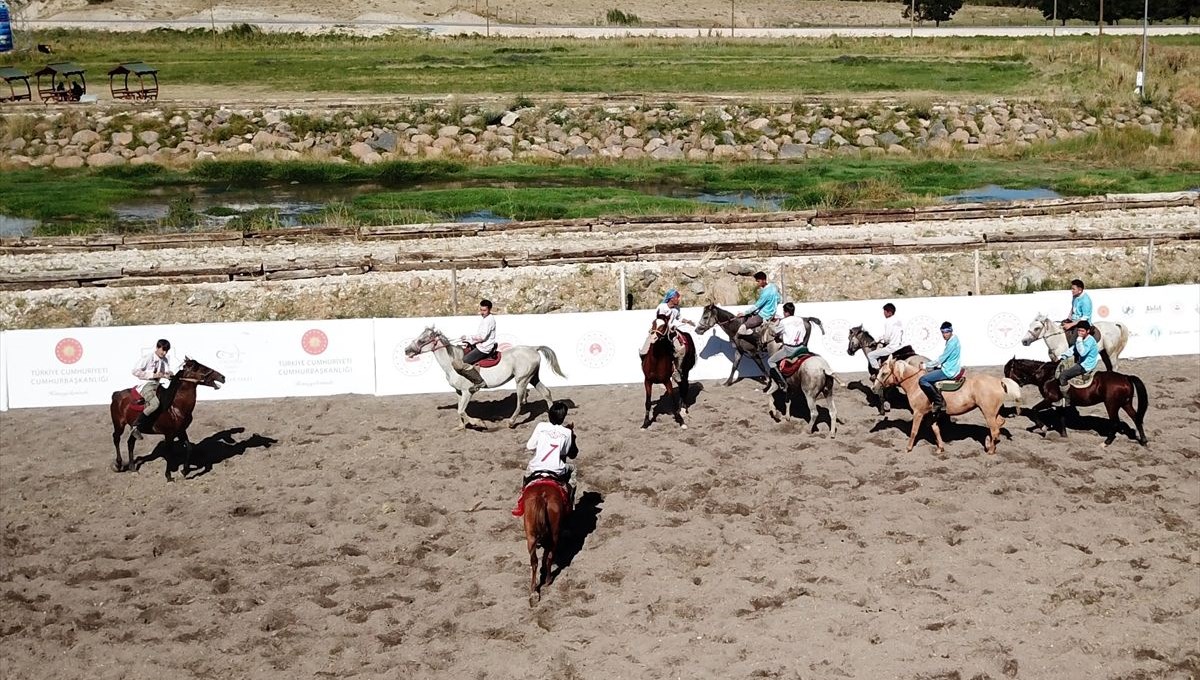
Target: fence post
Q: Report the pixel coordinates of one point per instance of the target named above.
(621, 296)
(1149, 262)
(782, 283)
(454, 291)
(977, 272)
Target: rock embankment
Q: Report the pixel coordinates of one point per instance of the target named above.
(554, 132)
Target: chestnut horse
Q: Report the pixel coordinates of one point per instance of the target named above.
(1115, 390)
(984, 392)
(658, 365)
(174, 414)
(545, 510)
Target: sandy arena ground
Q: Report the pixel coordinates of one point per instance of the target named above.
(370, 540)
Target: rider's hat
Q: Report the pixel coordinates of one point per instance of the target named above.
(670, 294)
(946, 327)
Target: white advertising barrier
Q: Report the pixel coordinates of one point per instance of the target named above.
(82, 366)
(4, 370)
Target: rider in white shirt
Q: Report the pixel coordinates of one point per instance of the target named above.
(152, 368)
(553, 444)
(669, 308)
(891, 340)
(483, 345)
(791, 335)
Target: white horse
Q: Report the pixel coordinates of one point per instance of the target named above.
(1113, 338)
(521, 362)
(814, 379)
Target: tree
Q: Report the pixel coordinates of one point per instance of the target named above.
(936, 11)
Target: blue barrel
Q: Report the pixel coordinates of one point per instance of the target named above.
(6, 36)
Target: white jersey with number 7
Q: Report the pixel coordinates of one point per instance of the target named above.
(550, 445)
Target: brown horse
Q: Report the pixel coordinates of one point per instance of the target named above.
(1115, 390)
(984, 392)
(658, 366)
(174, 414)
(544, 511)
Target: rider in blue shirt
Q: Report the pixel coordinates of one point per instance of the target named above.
(1081, 306)
(947, 367)
(1087, 355)
(764, 308)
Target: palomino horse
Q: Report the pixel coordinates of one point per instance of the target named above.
(813, 379)
(545, 507)
(1115, 390)
(861, 340)
(520, 362)
(984, 392)
(752, 346)
(658, 364)
(174, 414)
(1113, 338)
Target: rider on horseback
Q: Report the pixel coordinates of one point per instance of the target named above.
(552, 444)
(791, 334)
(669, 310)
(483, 345)
(946, 367)
(1086, 352)
(152, 368)
(891, 340)
(1081, 307)
(764, 307)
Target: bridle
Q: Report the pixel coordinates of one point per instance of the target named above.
(438, 341)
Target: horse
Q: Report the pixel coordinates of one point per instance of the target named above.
(748, 345)
(1115, 390)
(544, 510)
(813, 378)
(984, 392)
(1113, 338)
(861, 340)
(174, 414)
(521, 362)
(658, 365)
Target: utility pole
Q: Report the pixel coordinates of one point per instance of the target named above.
(912, 17)
(731, 18)
(1054, 21)
(1100, 38)
(1141, 76)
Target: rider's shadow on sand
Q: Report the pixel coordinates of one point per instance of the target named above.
(494, 410)
(895, 398)
(579, 525)
(952, 431)
(214, 449)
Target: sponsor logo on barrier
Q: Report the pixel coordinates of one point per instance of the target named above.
(594, 349)
(410, 366)
(1103, 311)
(1153, 309)
(839, 331)
(922, 333)
(1128, 310)
(68, 351)
(1155, 332)
(229, 355)
(314, 341)
(1004, 330)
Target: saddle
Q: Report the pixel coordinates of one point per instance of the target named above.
(904, 353)
(1080, 381)
(953, 384)
(488, 361)
(789, 366)
(541, 479)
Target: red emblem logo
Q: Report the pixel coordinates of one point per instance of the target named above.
(596, 348)
(1103, 312)
(68, 350)
(314, 341)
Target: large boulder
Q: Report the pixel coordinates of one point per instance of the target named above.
(104, 160)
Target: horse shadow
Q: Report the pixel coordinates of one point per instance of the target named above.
(894, 397)
(951, 431)
(578, 526)
(715, 346)
(210, 451)
(797, 407)
(497, 410)
(1074, 420)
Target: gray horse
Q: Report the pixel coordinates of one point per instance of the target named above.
(1113, 338)
(752, 346)
(814, 379)
(861, 340)
(521, 362)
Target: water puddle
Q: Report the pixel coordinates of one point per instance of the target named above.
(484, 216)
(742, 199)
(16, 226)
(992, 193)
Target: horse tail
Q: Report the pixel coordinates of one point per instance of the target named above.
(830, 375)
(552, 358)
(1142, 398)
(1012, 392)
(1122, 339)
(816, 322)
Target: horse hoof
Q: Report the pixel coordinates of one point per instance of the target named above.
(117, 467)
(512, 425)
(683, 426)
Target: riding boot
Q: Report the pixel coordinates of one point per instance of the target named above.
(477, 381)
(1065, 392)
(143, 423)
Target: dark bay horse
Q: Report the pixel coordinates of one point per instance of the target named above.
(1115, 390)
(544, 512)
(174, 414)
(752, 346)
(658, 365)
(859, 340)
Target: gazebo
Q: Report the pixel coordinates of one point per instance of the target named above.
(12, 76)
(65, 82)
(146, 86)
